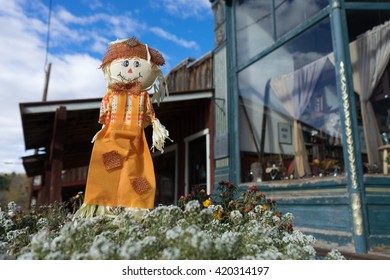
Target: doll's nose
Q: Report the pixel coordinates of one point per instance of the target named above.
(130, 71)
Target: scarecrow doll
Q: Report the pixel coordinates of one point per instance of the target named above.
(121, 170)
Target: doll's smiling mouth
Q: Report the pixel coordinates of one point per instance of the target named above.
(124, 79)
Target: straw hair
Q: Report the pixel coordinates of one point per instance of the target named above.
(131, 48)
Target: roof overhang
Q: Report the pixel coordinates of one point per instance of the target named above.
(80, 127)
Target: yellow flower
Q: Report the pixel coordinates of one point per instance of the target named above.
(265, 207)
(206, 203)
(316, 161)
(218, 215)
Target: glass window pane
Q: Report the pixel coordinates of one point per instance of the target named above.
(253, 28)
(197, 162)
(370, 54)
(165, 171)
(293, 92)
(376, 1)
(290, 14)
(357, 26)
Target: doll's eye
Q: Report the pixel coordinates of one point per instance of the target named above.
(125, 63)
(136, 64)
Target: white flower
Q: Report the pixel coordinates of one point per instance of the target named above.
(130, 250)
(289, 216)
(3, 247)
(43, 222)
(226, 243)
(293, 250)
(192, 229)
(206, 212)
(14, 234)
(40, 242)
(28, 256)
(258, 208)
(3, 216)
(8, 224)
(195, 240)
(174, 233)
(171, 253)
(269, 254)
(13, 207)
(334, 255)
(192, 206)
(149, 241)
(201, 241)
(251, 215)
(268, 214)
(275, 219)
(79, 256)
(56, 243)
(235, 215)
(309, 249)
(55, 256)
(102, 247)
(215, 208)
(229, 237)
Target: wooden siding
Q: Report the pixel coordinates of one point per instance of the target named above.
(377, 189)
(321, 207)
(192, 75)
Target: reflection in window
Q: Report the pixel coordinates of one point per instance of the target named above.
(368, 1)
(289, 111)
(254, 22)
(290, 14)
(253, 28)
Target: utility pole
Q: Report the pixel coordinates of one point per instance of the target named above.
(44, 96)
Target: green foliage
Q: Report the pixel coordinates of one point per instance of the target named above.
(197, 193)
(17, 227)
(13, 188)
(4, 182)
(231, 199)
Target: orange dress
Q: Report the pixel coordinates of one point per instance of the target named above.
(121, 170)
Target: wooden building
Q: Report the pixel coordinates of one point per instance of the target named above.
(306, 89)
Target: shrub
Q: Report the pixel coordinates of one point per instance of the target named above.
(226, 226)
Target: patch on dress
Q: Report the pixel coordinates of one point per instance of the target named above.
(112, 160)
(141, 185)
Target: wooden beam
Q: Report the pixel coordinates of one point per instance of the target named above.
(56, 156)
(44, 192)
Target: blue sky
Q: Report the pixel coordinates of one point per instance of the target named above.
(79, 34)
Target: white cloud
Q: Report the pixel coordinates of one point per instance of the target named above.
(21, 74)
(22, 55)
(93, 4)
(173, 38)
(187, 8)
(76, 77)
(67, 27)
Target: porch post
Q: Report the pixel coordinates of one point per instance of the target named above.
(232, 91)
(56, 155)
(44, 192)
(351, 143)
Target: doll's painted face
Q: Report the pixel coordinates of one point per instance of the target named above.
(132, 69)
